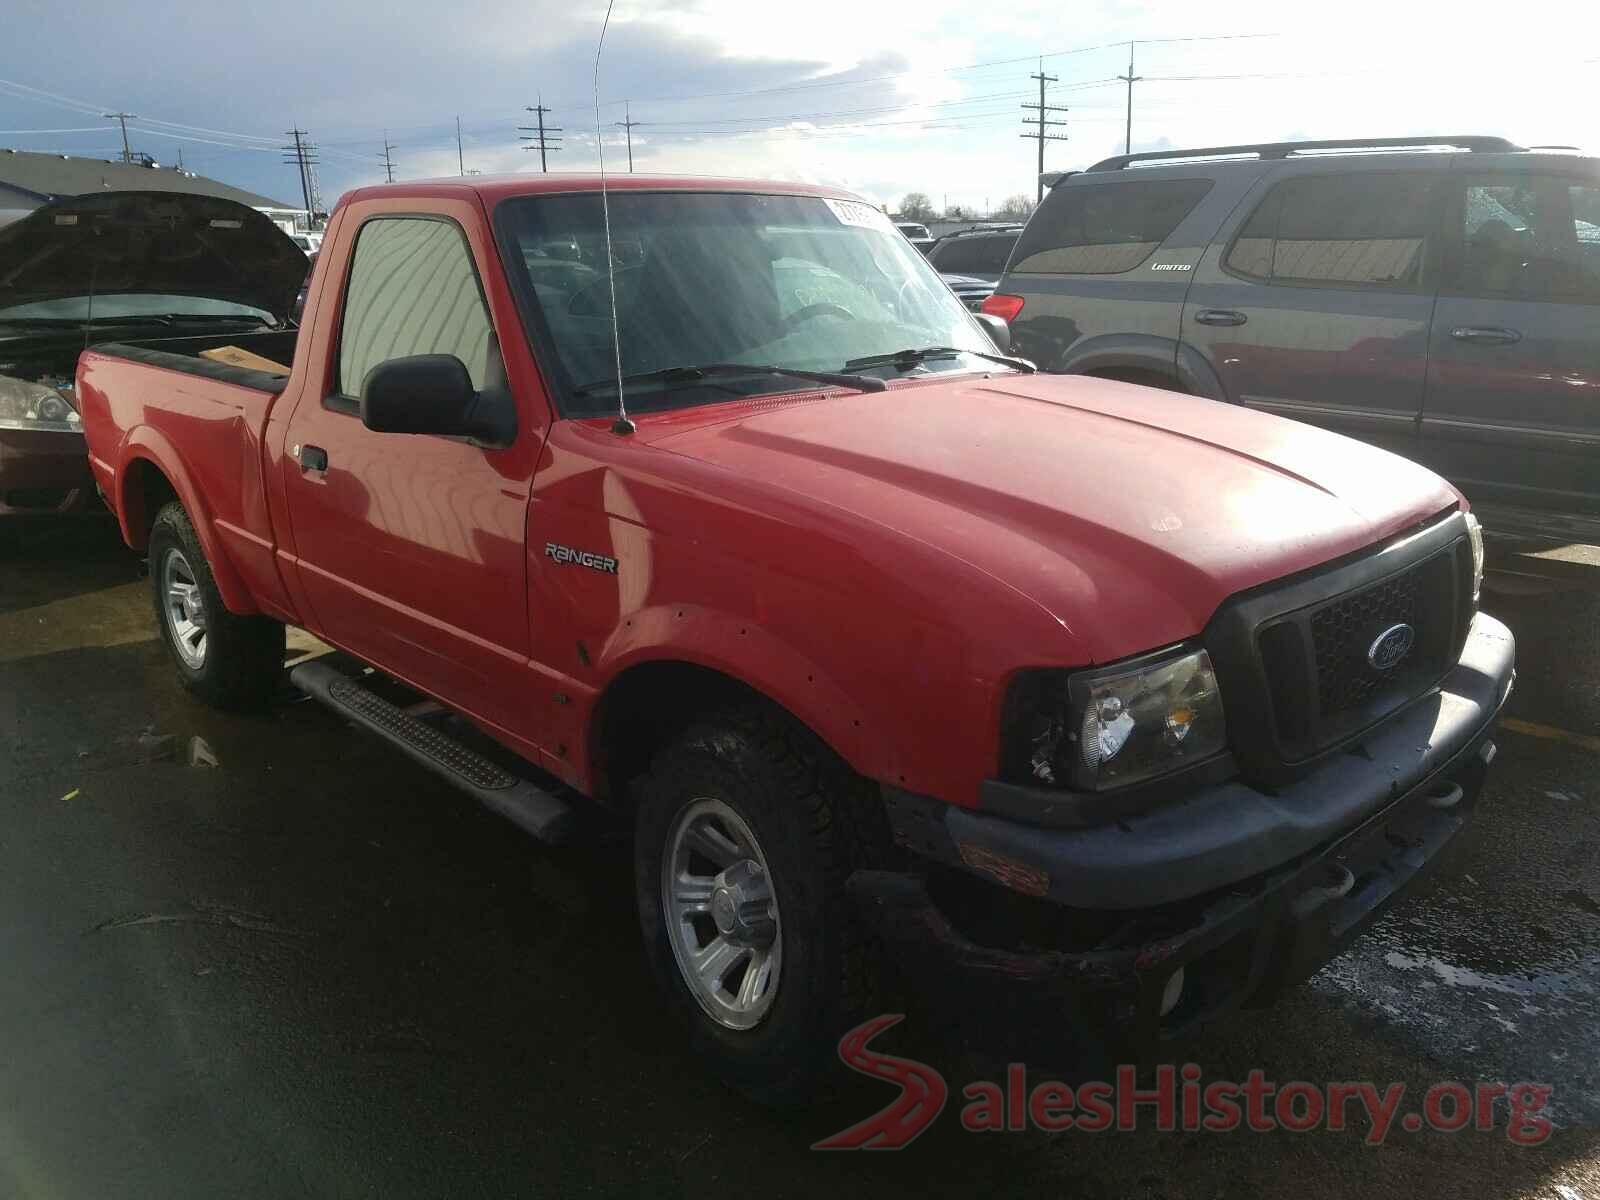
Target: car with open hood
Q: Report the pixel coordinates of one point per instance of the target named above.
(107, 266)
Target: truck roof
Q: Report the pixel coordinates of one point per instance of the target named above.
(494, 188)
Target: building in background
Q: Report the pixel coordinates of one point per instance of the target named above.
(29, 179)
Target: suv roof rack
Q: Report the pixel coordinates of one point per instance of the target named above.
(1266, 150)
(991, 227)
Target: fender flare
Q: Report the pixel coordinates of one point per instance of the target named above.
(742, 650)
(1197, 376)
(1109, 352)
(146, 444)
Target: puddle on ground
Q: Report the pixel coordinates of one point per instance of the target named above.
(1515, 1005)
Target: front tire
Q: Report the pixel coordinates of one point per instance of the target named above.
(228, 660)
(740, 859)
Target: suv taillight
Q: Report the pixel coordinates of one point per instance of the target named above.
(1003, 306)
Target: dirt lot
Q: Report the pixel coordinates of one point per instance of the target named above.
(265, 957)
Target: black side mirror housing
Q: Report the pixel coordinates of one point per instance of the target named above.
(433, 393)
(999, 332)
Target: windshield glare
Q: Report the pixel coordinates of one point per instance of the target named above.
(788, 281)
(111, 305)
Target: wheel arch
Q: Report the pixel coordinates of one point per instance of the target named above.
(654, 697)
(152, 474)
(1108, 354)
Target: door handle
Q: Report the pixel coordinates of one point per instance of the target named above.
(1485, 335)
(312, 458)
(1220, 316)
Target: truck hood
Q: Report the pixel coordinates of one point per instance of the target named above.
(1128, 514)
(149, 243)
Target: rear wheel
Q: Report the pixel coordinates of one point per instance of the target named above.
(228, 660)
(740, 862)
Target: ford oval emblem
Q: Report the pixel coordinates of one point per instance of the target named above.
(1390, 646)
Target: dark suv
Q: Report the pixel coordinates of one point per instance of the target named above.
(971, 260)
(1437, 296)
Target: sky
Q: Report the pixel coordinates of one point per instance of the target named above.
(884, 99)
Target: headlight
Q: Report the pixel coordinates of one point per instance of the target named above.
(1096, 730)
(1475, 536)
(25, 405)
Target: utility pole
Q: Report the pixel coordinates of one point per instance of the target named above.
(1131, 78)
(542, 141)
(388, 161)
(627, 124)
(461, 162)
(301, 157)
(1041, 120)
(122, 118)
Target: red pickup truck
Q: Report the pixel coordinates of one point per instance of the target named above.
(1098, 704)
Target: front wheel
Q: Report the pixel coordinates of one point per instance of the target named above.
(740, 861)
(226, 659)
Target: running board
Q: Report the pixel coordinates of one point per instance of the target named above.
(520, 801)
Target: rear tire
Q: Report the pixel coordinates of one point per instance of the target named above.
(228, 660)
(754, 785)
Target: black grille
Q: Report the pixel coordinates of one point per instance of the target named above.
(1292, 661)
(1343, 632)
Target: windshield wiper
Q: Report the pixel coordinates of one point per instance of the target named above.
(911, 357)
(700, 371)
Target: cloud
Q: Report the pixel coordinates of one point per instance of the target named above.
(880, 98)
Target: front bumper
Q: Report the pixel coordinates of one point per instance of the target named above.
(1246, 892)
(43, 471)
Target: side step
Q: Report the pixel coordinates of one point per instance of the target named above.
(546, 817)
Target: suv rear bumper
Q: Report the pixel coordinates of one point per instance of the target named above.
(1245, 892)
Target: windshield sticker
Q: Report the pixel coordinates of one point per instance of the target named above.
(864, 216)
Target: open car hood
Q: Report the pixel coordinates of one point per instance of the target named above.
(150, 243)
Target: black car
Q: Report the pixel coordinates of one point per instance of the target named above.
(1438, 296)
(972, 260)
(117, 266)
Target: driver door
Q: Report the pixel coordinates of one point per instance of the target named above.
(411, 546)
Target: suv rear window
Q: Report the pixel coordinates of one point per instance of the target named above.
(985, 254)
(1366, 229)
(1106, 228)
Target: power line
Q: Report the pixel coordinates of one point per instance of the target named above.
(461, 161)
(542, 141)
(997, 62)
(388, 160)
(1043, 110)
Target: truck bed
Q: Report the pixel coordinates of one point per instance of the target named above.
(157, 415)
(183, 354)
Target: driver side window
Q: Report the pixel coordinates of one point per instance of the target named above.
(412, 290)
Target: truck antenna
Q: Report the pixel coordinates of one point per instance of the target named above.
(622, 425)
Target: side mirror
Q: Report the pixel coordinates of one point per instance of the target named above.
(999, 332)
(428, 393)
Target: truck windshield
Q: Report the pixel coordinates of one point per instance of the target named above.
(793, 282)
